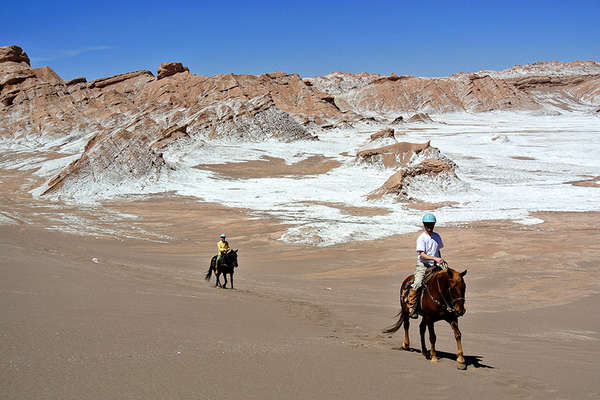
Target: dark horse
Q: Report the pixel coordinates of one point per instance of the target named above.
(442, 298)
(227, 266)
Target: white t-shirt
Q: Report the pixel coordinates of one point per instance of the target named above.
(431, 245)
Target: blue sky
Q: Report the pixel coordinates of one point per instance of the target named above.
(427, 38)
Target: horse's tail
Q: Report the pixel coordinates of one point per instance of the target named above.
(398, 324)
(210, 269)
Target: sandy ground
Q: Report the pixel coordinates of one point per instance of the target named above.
(111, 316)
(272, 167)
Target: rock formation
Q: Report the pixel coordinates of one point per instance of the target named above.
(382, 134)
(413, 162)
(399, 183)
(110, 156)
(566, 85)
(129, 118)
(392, 156)
(337, 83)
(420, 117)
(13, 54)
(170, 68)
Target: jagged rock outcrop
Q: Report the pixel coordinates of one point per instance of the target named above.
(339, 82)
(74, 81)
(382, 134)
(112, 158)
(13, 54)
(136, 151)
(170, 68)
(545, 68)
(415, 164)
(388, 97)
(146, 76)
(46, 74)
(399, 184)
(128, 115)
(392, 156)
(566, 85)
(420, 117)
(14, 70)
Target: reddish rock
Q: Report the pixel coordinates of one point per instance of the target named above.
(397, 183)
(13, 54)
(169, 136)
(46, 74)
(420, 117)
(111, 80)
(75, 81)
(170, 68)
(391, 156)
(384, 133)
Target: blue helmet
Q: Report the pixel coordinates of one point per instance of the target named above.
(223, 235)
(429, 218)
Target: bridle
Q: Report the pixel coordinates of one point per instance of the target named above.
(451, 308)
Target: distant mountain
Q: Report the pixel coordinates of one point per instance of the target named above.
(129, 119)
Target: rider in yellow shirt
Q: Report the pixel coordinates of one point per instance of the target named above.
(222, 247)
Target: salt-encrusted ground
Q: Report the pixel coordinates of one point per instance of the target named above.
(510, 165)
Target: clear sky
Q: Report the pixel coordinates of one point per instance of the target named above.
(426, 38)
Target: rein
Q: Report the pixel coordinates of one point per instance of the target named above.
(446, 306)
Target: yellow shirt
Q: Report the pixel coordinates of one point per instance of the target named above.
(222, 246)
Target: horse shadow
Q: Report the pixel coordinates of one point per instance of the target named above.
(471, 361)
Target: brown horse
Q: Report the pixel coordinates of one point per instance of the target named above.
(442, 298)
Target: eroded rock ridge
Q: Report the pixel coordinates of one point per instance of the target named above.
(130, 119)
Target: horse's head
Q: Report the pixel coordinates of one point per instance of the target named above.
(232, 258)
(457, 289)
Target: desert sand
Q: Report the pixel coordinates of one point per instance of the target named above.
(114, 317)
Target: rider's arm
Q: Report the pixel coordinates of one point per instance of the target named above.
(424, 256)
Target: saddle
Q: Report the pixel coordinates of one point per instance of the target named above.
(428, 275)
(429, 272)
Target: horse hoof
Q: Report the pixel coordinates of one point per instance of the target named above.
(405, 347)
(435, 360)
(461, 366)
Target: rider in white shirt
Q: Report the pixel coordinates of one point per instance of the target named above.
(429, 244)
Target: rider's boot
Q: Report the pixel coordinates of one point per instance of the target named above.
(412, 304)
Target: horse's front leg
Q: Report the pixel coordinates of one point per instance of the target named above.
(422, 327)
(461, 364)
(225, 281)
(432, 340)
(231, 277)
(218, 276)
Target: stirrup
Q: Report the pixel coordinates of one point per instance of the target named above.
(414, 314)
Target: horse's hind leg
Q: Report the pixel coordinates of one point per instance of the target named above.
(432, 340)
(422, 327)
(406, 343)
(459, 355)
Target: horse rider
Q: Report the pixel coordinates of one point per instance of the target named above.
(222, 248)
(429, 244)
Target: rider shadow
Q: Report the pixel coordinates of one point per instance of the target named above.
(471, 361)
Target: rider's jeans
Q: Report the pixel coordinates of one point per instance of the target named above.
(419, 275)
